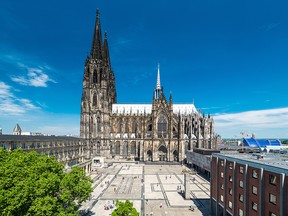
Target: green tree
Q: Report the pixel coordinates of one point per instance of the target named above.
(34, 184)
(125, 209)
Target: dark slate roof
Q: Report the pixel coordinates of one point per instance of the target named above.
(259, 143)
(6, 137)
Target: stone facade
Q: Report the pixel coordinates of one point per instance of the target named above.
(160, 131)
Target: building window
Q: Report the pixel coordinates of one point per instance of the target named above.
(241, 183)
(162, 124)
(272, 179)
(134, 126)
(23, 146)
(230, 204)
(119, 128)
(254, 174)
(230, 178)
(127, 127)
(272, 214)
(222, 186)
(230, 166)
(240, 212)
(254, 206)
(272, 198)
(221, 174)
(222, 163)
(241, 169)
(254, 190)
(221, 198)
(241, 197)
(230, 191)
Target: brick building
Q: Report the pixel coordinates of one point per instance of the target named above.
(249, 184)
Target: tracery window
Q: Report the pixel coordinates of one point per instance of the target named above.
(126, 127)
(95, 76)
(95, 100)
(134, 126)
(162, 124)
(120, 126)
(98, 125)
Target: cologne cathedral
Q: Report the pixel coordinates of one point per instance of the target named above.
(160, 131)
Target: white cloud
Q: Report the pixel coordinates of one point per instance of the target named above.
(35, 76)
(265, 123)
(12, 105)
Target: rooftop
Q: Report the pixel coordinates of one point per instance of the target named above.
(7, 137)
(268, 161)
(147, 108)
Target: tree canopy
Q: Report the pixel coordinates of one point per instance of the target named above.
(125, 209)
(34, 184)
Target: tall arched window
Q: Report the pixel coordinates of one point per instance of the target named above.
(98, 125)
(126, 127)
(162, 124)
(120, 126)
(134, 125)
(95, 100)
(95, 76)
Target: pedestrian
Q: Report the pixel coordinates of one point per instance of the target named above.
(160, 205)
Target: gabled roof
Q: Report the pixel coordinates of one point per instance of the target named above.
(259, 143)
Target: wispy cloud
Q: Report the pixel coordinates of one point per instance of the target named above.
(36, 76)
(269, 26)
(263, 122)
(12, 105)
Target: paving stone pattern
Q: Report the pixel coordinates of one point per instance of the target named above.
(153, 189)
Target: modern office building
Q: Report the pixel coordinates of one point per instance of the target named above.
(159, 131)
(249, 184)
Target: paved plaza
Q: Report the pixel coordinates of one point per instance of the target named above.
(153, 189)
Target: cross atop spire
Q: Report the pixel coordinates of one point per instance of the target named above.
(158, 83)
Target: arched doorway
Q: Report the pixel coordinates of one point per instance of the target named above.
(117, 148)
(175, 155)
(125, 150)
(162, 151)
(149, 155)
(133, 148)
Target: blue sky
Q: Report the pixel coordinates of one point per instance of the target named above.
(230, 57)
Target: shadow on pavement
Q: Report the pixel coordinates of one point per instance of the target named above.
(86, 213)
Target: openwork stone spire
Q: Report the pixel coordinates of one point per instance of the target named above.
(158, 83)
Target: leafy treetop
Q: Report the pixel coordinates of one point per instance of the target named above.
(34, 184)
(125, 209)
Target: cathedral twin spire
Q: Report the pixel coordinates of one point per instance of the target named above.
(100, 51)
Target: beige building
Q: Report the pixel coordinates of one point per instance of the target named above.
(70, 150)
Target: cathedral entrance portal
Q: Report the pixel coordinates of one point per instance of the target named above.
(162, 151)
(175, 155)
(149, 155)
(125, 150)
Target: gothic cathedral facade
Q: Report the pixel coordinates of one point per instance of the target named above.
(160, 131)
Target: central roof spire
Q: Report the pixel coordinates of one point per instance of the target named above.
(158, 84)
